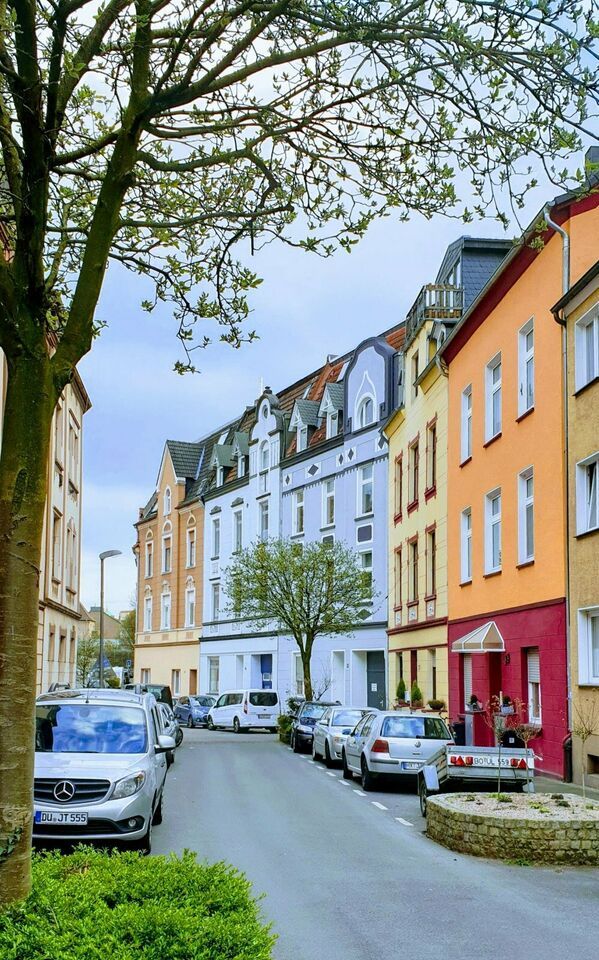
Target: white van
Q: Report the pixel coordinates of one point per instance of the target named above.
(244, 709)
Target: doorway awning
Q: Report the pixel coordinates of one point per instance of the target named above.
(485, 639)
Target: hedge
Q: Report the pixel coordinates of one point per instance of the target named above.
(93, 905)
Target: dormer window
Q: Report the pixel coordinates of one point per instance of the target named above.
(332, 424)
(220, 476)
(167, 501)
(302, 437)
(365, 412)
(241, 466)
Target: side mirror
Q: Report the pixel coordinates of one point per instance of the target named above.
(164, 744)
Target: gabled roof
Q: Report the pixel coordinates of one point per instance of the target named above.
(305, 412)
(241, 443)
(185, 457)
(222, 455)
(485, 639)
(332, 397)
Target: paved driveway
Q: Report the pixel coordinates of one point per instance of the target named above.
(351, 876)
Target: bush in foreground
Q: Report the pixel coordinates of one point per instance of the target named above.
(99, 906)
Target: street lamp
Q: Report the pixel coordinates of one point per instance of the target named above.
(103, 556)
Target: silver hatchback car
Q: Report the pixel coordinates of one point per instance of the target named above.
(392, 744)
(100, 767)
(331, 731)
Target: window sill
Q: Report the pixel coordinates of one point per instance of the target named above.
(488, 443)
(464, 462)
(397, 608)
(525, 563)
(191, 566)
(412, 506)
(397, 518)
(297, 536)
(526, 414)
(365, 516)
(430, 596)
(412, 603)
(493, 573)
(586, 533)
(429, 493)
(586, 386)
(466, 583)
(327, 526)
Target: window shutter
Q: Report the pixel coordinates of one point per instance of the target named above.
(467, 677)
(534, 670)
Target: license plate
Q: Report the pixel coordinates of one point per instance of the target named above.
(59, 817)
(263, 716)
(411, 764)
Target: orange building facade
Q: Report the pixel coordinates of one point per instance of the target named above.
(507, 632)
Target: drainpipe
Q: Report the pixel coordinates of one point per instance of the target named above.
(565, 287)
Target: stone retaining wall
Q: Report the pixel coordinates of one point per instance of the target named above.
(504, 838)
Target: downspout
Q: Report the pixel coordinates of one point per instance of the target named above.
(565, 287)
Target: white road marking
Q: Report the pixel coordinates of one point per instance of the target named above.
(406, 823)
(359, 792)
(329, 774)
(375, 803)
(344, 783)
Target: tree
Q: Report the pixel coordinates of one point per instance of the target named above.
(88, 649)
(123, 647)
(585, 725)
(164, 135)
(308, 591)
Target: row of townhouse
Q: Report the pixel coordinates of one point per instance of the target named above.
(451, 455)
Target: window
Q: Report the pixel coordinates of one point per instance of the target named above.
(167, 501)
(365, 489)
(587, 495)
(297, 519)
(534, 685)
(190, 607)
(328, 503)
(73, 451)
(332, 426)
(466, 431)
(220, 476)
(493, 398)
(70, 558)
(366, 565)
(431, 456)
(414, 376)
(365, 412)
(467, 677)
(147, 613)
(493, 531)
(149, 558)
(213, 674)
(466, 546)
(241, 466)
(526, 532)
(588, 646)
(398, 485)
(58, 432)
(432, 659)
(215, 601)
(412, 571)
(263, 519)
(413, 463)
(215, 538)
(264, 466)
(586, 348)
(176, 682)
(299, 675)
(165, 611)
(526, 367)
(237, 531)
(57, 546)
(302, 437)
(191, 547)
(146, 676)
(166, 551)
(398, 576)
(431, 563)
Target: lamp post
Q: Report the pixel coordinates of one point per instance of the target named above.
(103, 556)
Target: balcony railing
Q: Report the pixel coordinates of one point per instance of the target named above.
(436, 301)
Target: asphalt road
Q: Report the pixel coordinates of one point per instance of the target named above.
(351, 876)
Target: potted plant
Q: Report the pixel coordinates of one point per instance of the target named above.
(416, 699)
(436, 704)
(400, 693)
(474, 703)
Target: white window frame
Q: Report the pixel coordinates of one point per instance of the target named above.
(586, 338)
(466, 424)
(215, 538)
(534, 718)
(526, 501)
(298, 674)
(367, 568)
(297, 512)
(264, 465)
(148, 614)
(363, 483)
(237, 530)
(491, 521)
(176, 681)
(165, 610)
(493, 389)
(365, 411)
(587, 494)
(466, 545)
(328, 498)
(332, 424)
(415, 373)
(526, 368)
(263, 511)
(215, 601)
(240, 466)
(167, 502)
(149, 558)
(190, 604)
(588, 670)
(191, 547)
(167, 535)
(213, 675)
(145, 675)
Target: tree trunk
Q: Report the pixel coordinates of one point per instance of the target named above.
(30, 400)
(306, 656)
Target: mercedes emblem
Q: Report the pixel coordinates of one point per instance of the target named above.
(64, 791)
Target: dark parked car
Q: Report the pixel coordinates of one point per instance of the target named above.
(302, 728)
(161, 691)
(193, 711)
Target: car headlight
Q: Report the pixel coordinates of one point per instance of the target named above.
(303, 728)
(339, 739)
(128, 786)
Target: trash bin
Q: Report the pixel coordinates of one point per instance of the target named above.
(459, 732)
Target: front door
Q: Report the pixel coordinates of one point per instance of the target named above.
(193, 682)
(375, 680)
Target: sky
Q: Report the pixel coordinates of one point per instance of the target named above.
(306, 308)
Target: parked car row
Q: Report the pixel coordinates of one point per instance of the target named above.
(245, 710)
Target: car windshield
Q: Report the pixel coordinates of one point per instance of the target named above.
(315, 710)
(265, 699)
(346, 718)
(89, 728)
(423, 728)
(202, 701)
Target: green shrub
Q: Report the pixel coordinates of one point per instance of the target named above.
(401, 689)
(93, 905)
(284, 722)
(415, 694)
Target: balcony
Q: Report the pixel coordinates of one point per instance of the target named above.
(436, 301)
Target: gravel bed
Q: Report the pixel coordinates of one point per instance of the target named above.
(522, 806)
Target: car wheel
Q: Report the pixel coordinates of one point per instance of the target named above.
(295, 745)
(327, 755)
(236, 725)
(347, 774)
(157, 818)
(145, 844)
(190, 722)
(178, 737)
(210, 724)
(170, 759)
(422, 796)
(367, 777)
(315, 753)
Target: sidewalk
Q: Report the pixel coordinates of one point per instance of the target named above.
(549, 785)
